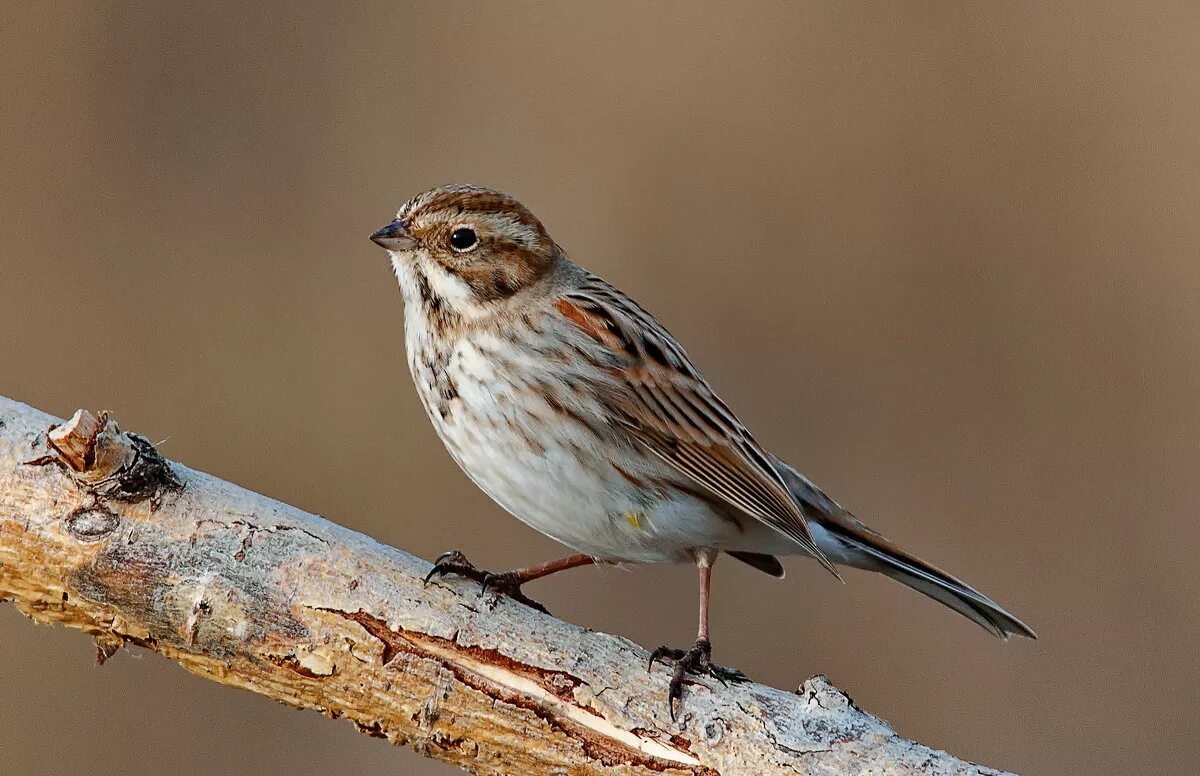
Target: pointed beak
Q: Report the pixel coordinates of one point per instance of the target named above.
(394, 237)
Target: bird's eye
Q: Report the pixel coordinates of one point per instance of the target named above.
(463, 239)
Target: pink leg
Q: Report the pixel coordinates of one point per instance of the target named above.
(531, 573)
(698, 659)
(704, 564)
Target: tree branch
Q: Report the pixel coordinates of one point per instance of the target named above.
(98, 532)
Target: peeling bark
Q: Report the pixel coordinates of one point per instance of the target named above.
(100, 533)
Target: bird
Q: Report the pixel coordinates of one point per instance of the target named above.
(577, 412)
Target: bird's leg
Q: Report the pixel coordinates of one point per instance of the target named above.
(507, 583)
(698, 659)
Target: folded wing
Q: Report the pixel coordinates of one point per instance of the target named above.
(673, 412)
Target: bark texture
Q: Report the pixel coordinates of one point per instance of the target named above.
(99, 533)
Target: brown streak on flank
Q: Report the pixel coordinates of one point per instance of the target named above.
(562, 409)
(551, 400)
(584, 356)
(632, 480)
(552, 355)
(534, 324)
(546, 390)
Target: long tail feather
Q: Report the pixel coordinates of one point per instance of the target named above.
(846, 540)
(877, 554)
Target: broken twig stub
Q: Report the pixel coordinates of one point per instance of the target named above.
(107, 461)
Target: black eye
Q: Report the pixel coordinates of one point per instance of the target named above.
(463, 239)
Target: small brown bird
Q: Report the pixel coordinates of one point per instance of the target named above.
(576, 411)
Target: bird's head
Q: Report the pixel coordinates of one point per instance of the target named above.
(472, 244)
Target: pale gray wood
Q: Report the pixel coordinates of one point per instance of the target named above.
(253, 593)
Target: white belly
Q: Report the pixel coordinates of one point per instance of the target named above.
(541, 468)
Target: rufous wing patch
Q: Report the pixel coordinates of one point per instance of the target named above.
(593, 324)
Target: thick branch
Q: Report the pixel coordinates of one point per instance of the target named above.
(99, 533)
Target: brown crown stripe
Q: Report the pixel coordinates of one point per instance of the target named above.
(479, 202)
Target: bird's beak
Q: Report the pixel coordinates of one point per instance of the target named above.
(394, 237)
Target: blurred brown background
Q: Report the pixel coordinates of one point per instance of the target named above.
(944, 259)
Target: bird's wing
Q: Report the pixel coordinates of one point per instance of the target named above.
(671, 410)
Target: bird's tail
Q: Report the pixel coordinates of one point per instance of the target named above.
(873, 552)
(845, 540)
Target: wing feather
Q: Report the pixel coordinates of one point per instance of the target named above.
(673, 412)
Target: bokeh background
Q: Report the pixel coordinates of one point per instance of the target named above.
(945, 258)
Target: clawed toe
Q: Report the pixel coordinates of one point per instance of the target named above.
(665, 655)
(696, 661)
(508, 584)
(726, 675)
(492, 585)
(454, 562)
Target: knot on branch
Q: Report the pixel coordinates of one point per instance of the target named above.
(108, 462)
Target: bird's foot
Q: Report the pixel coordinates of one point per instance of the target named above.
(509, 584)
(698, 661)
(493, 585)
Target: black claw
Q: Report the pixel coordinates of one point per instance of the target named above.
(675, 689)
(697, 661)
(437, 570)
(663, 655)
(675, 692)
(454, 562)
